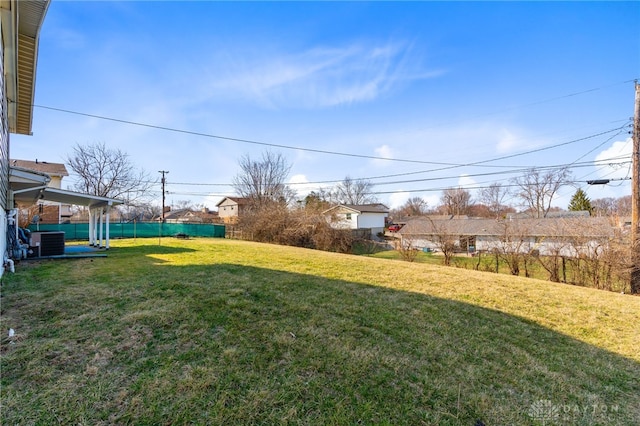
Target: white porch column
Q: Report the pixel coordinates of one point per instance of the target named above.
(91, 227)
(95, 227)
(101, 213)
(107, 231)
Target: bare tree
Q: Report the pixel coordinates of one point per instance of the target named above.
(588, 256)
(623, 206)
(182, 204)
(536, 188)
(107, 172)
(553, 251)
(317, 200)
(414, 206)
(493, 197)
(27, 214)
(355, 191)
(611, 206)
(263, 180)
(446, 237)
(514, 245)
(407, 249)
(140, 212)
(603, 206)
(455, 201)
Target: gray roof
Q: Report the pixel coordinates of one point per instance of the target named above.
(362, 208)
(599, 227)
(51, 169)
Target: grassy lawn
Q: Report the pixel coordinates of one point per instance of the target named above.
(210, 331)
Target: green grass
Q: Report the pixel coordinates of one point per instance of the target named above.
(211, 331)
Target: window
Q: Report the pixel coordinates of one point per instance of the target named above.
(348, 216)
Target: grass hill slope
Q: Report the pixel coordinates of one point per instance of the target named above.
(228, 332)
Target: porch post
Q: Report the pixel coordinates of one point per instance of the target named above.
(107, 230)
(101, 213)
(96, 242)
(90, 227)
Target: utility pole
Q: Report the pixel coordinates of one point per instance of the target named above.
(164, 172)
(635, 198)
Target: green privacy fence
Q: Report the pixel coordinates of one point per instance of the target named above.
(80, 231)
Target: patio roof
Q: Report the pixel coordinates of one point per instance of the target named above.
(30, 186)
(33, 194)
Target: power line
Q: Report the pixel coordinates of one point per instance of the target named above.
(436, 189)
(445, 165)
(211, 136)
(574, 165)
(319, 151)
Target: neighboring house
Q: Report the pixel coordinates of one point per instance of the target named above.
(48, 212)
(56, 171)
(191, 216)
(563, 236)
(363, 216)
(231, 208)
(20, 23)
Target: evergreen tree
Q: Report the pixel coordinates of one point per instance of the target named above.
(580, 202)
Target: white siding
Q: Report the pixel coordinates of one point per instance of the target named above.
(371, 220)
(4, 162)
(346, 221)
(228, 208)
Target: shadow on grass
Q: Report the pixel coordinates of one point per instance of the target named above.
(234, 344)
(148, 249)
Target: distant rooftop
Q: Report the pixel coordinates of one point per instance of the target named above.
(52, 169)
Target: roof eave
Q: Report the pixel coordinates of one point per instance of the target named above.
(21, 24)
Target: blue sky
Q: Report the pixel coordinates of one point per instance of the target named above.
(408, 91)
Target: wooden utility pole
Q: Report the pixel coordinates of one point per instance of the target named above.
(635, 198)
(164, 172)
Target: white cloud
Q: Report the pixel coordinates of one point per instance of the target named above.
(466, 181)
(397, 199)
(615, 161)
(320, 77)
(383, 151)
(507, 141)
(300, 184)
(210, 201)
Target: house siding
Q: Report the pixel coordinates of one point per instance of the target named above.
(355, 217)
(228, 209)
(546, 246)
(56, 182)
(4, 160)
(344, 219)
(371, 220)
